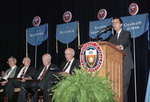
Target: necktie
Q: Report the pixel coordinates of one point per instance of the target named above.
(22, 75)
(43, 74)
(116, 37)
(66, 66)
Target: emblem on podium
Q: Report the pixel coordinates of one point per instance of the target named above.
(91, 55)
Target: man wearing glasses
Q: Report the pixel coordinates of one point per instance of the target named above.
(10, 73)
(70, 63)
(122, 41)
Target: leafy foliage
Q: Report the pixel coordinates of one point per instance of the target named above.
(83, 87)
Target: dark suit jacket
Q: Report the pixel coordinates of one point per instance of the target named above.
(124, 40)
(75, 63)
(41, 68)
(30, 72)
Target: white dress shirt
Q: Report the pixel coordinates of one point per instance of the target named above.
(42, 71)
(118, 37)
(69, 67)
(20, 73)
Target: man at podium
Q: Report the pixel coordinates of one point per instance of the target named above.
(122, 41)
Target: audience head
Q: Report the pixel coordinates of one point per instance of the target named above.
(26, 61)
(12, 61)
(69, 54)
(46, 58)
(117, 24)
(2, 73)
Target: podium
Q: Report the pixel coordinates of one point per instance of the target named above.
(112, 62)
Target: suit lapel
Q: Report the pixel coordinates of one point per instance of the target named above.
(50, 66)
(28, 70)
(120, 37)
(72, 66)
(64, 63)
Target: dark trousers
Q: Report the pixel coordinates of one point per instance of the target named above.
(44, 85)
(2, 87)
(22, 93)
(126, 81)
(9, 89)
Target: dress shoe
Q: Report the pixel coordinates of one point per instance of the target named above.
(28, 90)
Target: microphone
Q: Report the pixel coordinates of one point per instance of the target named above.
(109, 26)
(105, 29)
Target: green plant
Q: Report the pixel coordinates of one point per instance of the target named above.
(83, 87)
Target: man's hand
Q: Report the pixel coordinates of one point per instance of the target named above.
(66, 73)
(3, 83)
(62, 73)
(118, 47)
(24, 79)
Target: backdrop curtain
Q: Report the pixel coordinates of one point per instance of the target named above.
(17, 15)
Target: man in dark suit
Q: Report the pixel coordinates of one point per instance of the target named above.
(122, 41)
(25, 72)
(45, 77)
(10, 73)
(70, 63)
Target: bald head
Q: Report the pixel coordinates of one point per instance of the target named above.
(46, 58)
(26, 61)
(69, 54)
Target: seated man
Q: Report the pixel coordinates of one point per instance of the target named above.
(10, 73)
(44, 74)
(25, 72)
(47, 82)
(70, 63)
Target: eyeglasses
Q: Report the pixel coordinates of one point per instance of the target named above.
(115, 23)
(68, 54)
(10, 61)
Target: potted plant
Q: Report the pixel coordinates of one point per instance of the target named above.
(83, 87)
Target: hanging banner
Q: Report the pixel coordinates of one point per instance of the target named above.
(136, 25)
(96, 26)
(67, 32)
(36, 35)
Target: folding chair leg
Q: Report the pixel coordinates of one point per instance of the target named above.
(6, 98)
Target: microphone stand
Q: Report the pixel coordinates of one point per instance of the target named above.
(99, 33)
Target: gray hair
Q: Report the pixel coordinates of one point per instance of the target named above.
(14, 59)
(49, 56)
(26, 57)
(73, 51)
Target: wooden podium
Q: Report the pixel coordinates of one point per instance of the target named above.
(112, 62)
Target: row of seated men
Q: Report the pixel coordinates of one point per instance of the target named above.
(44, 75)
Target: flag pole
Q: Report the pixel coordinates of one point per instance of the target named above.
(35, 55)
(47, 40)
(26, 45)
(134, 70)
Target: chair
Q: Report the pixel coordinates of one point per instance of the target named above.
(15, 96)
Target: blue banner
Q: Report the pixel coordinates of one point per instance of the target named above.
(147, 96)
(37, 35)
(136, 25)
(67, 32)
(96, 26)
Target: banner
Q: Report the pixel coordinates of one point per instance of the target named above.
(136, 25)
(36, 35)
(96, 26)
(67, 32)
